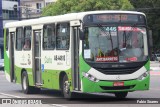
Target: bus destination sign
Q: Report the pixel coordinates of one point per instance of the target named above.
(112, 17)
(124, 18)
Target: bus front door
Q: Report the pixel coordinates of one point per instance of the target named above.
(11, 55)
(75, 59)
(37, 57)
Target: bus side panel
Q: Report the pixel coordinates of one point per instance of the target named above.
(48, 78)
(7, 65)
(17, 74)
(23, 62)
(84, 67)
(147, 65)
(51, 78)
(30, 76)
(6, 58)
(52, 66)
(18, 71)
(47, 69)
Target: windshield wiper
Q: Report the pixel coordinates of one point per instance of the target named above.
(131, 32)
(126, 36)
(103, 30)
(109, 34)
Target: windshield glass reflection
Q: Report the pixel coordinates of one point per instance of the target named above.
(114, 44)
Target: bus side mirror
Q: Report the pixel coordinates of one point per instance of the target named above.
(81, 34)
(150, 38)
(150, 43)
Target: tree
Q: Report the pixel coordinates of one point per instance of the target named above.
(152, 10)
(70, 6)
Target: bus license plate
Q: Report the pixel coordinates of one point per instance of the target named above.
(118, 84)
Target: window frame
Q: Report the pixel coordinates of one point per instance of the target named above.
(22, 36)
(63, 23)
(53, 24)
(9, 14)
(7, 39)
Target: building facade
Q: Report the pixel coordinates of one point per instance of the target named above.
(1, 31)
(32, 8)
(13, 10)
(8, 13)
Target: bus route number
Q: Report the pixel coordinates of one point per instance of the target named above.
(59, 57)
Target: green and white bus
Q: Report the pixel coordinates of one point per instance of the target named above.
(88, 52)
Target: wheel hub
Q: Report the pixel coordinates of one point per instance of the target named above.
(66, 86)
(24, 83)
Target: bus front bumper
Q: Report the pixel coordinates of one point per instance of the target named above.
(107, 86)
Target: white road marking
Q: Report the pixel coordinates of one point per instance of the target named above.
(155, 89)
(57, 105)
(10, 95)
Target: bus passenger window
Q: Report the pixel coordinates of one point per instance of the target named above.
(27, 38)
(7, 38)
(27, 44)
(19, 38)
(49, 37)
(63, 33)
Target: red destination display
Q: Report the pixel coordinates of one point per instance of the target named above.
(132, 59)
(107, 59)
(129, 28)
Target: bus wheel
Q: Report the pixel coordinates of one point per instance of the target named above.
(66, 88)
(25, 83)
(121, 94)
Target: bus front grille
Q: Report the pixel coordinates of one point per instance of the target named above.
(117, 87)
(118, 71)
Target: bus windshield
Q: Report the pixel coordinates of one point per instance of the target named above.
(115, 44)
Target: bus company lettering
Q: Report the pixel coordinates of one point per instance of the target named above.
(47, 60)
(23, 62)
(29, 59)
(59, 57)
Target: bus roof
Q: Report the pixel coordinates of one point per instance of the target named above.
(60, 18)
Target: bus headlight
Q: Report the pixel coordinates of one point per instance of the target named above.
(143, 75)
(90, 77)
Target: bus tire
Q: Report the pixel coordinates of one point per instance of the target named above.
(25, 84)
(66, 88)
(121, 94)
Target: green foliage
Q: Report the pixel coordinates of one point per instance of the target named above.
(151, 8)
(70, 6)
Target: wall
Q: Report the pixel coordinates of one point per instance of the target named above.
(1, 22)
(29, 9)
(8, 5)
(1, 31)
(5, 5)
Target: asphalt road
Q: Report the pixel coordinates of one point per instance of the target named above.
(11, 90)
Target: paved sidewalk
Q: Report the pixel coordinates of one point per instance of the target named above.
(155, 68)
(154, 72)
(1, 73)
